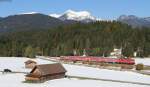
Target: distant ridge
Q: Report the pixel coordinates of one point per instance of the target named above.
(29, 21)
(35, 20)
(135, 21)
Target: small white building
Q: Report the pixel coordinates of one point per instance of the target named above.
(116, 53)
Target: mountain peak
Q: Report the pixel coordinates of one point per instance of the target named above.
(55, 15)
(82, 16)
(127, 17)
(79, 13)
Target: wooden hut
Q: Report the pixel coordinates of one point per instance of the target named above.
(30, 64)
(41, 73)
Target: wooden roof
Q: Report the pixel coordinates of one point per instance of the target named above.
(47, 69)
(29, 61)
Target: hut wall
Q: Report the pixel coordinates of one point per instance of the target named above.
(45, 78)
(53, 76)
(32, 79)
(31, 65)
(36, 72)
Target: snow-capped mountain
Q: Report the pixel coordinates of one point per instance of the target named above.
(55, 15)
(83, 16)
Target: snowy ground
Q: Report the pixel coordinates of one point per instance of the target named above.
(145, 61)
(106, 74)
(17, 64)
(9, 80)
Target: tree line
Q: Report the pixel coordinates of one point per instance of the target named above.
(97, 38)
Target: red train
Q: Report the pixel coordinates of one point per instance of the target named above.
(98, 59)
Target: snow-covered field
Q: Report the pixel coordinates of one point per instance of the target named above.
(145, 61)
(17, 64)
(106, 74)
(16, 80)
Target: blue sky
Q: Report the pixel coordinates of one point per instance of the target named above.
(105, 9)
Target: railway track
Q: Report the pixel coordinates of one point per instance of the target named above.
(110, 80)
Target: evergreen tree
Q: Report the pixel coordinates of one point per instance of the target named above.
(29, 52)
(97, 38)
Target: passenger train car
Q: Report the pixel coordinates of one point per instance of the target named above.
(129, 61)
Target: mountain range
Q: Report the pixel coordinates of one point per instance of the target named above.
(35, 20)
(135, 21)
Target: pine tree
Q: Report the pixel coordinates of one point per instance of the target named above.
(29, 52)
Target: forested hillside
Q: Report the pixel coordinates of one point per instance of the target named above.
(96, 38)
(25, 22)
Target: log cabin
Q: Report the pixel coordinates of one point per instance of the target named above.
(44, 72)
